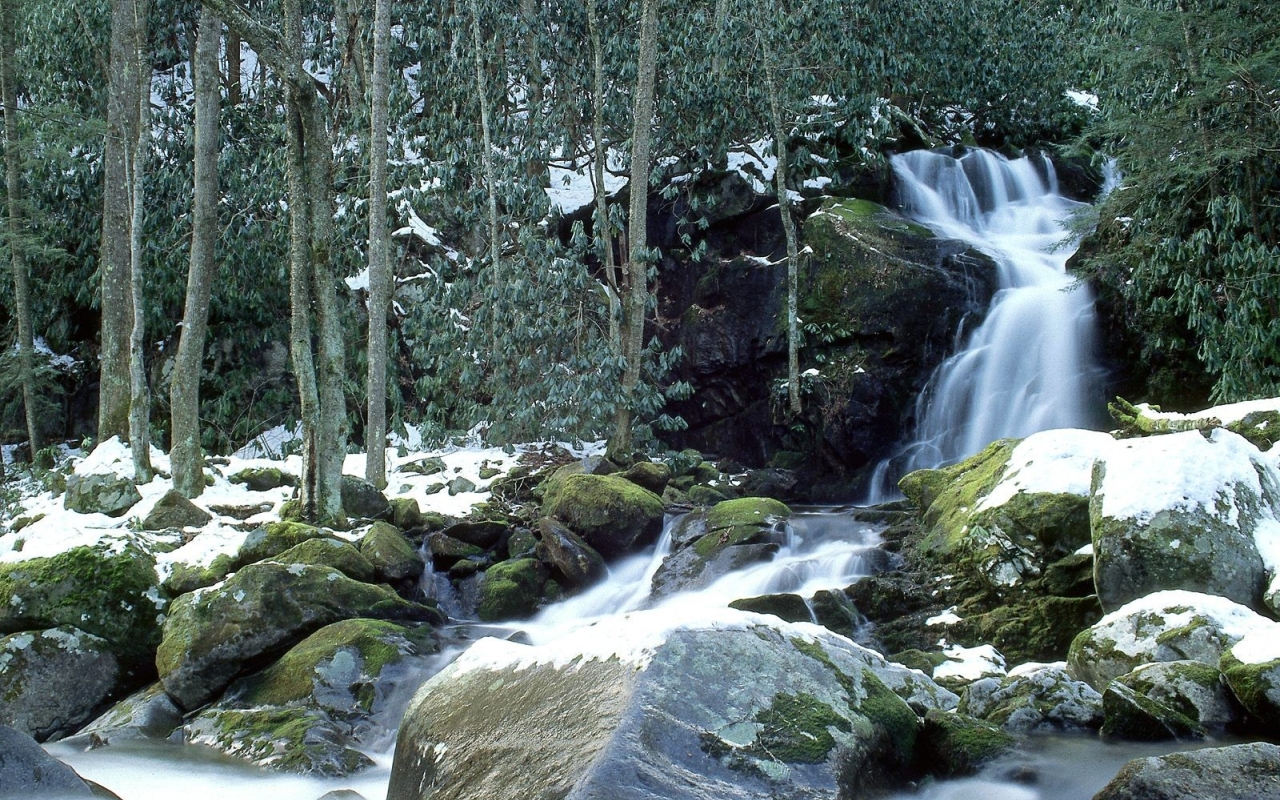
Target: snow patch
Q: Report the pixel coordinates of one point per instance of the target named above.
(970, 663)
(1259, 647)
(1050, 462)
(1177, 608)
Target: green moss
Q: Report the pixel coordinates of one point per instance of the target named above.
(796, 728)
(273, 539)
(955, 744)
(286, 739)
(512, 589)
(329, 553)
(261, 479)
(890, 714)
(947, 517)
(740, 521)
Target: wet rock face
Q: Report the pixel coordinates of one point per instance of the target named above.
(27, 771)
(1240, 772)
(54, 681)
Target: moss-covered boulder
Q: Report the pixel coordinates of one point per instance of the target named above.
(100, 493)
(263, 479)
(651, 475)
(613, 515)
(1131, 716)
(53, 681)
(1181, 512)
(953, 744)
(27, 771)
(324, 552)
(1252, 671)
(308, 711)
(1238, 772)
(1038, 699)
(394, 558)
(1198, 692)
(274, 538)
(433, 465)
(405, 513)
(795, 717)
(724, 538)
(482, 533)
(446, 551)
(1165, 626)
(573, 561)
(109, 590)
(174, 511)
(512, 590)
(362, 500)
(214, 634)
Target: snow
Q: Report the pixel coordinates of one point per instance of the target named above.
(573, 187)
(947, 617)
(970, 663)
(1259, 647)
(1226, 414)
(754, 168)
(1178, 608)
(1051, 462)
(1087, 100)
(1183, 471)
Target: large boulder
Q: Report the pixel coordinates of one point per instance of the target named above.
(511, 590)
(612, 515)
(1239, 772)
(212, 635)
(639, 711)
(275, 538)
(1195, 691)
(362, 499)
(1132, 716)
(1252, 669)
(174, 511)
(1165, 626)
(101, 493)
(148, 713)
(308, 711)
(569, 556)
(109, 590)
(323, 552)
(55, 680)
(729, 536)
(1181, 512)
(393, 557)
(27, 771)
(1035, 699)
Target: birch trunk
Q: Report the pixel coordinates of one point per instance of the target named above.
(379, 251)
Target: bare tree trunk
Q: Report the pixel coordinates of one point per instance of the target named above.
(379, 251)
(17, 221)
(115, 255)
(490, 177)
(184, 388)
(635, 270)
(603, 230)
(139, 396)
(788, 223)
(235, 84)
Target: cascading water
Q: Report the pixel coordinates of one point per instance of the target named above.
(1028, 367)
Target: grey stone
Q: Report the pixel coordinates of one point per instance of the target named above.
(27, 771)
(175, 511)
(54, 680)
(1239, 772)
(106, 493)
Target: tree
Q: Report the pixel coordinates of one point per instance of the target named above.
(16, 221)
(139, 396)
(128, 37)
(380, 278)
(184, 390)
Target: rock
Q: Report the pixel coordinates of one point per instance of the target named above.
(661, 718)
(240, 512)
(1181, 512)
(101, 493)
(834, 611)
(1252, 671)
(1128, 715)
(611, 514)
(511, 590)
(427, 466)
(405, 513)
(702, 495)
(727, 537)
(569, 556)
(787, 607)
(774, 483)
(1191, 689)
(307, 711)
(108, 591)
(651, 475)
(146, 714)
(521, 543)
(447, 551)
(263, 479)
(363, 500)
(274, 538)
(460, 485)
(393, 557)
(214, 634)
(1239, 772)
(175, 511)
(954, 744)
(27, 771)
(1043, 698)
(483, 533)
(1165, 626)
(329, 553)
(54, 680)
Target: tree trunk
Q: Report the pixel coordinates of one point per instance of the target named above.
(490, 177)
(379, 251)
(635, 270)
(17, 222)
(235, 83)
(139, 396)
(788, 223)
(184, 389)
(603, 230)
(115, 258)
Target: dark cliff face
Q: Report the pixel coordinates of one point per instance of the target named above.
(880, 300)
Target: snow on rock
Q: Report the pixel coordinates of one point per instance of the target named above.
(1226, 414)
(1260, 646)
(1050, 462)
(969, 663)
(573, 187)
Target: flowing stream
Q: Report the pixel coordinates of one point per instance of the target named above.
(1028, 366)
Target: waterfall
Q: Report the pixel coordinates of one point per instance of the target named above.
(1029, 366)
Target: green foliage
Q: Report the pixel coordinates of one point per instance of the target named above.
(1191, 241)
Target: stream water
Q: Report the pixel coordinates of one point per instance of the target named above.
(1029, 365)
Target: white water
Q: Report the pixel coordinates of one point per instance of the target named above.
(1028, 367)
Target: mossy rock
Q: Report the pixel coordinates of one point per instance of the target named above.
(405, 513)
(1045, 699)
(918, 659)
(447, 551)
(954, 744)
(1257, 687)
(1032, 629)
(53, 681)
(108, 494)
(746, 520)
(1196, 691)
(394, 557)
(521, 543)
(183, 578)
(426, 466)
(572, 560)
(114, 595)
(296, 739)
(1237, 772)
(342, 556)
(703, 495)
(788, 607)
(146, 714)
(362, 500)
(274, 538)
(651, 475)
(263, 479)
(1131, 716)
(175, 511)
(512, 590)
(947, 496)
(488, 473)
(613, 515)
(461, 485)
